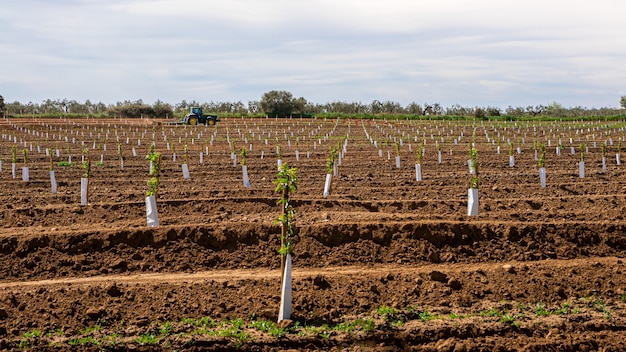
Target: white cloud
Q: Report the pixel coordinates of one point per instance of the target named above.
(451, 51)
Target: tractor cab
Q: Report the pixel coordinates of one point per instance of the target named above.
(196, 111)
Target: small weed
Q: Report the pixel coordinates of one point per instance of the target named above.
(56, 332)
(541, 310)
(564, 309)
(89, 330)
(29, 338)
(83, 341)
(268, 327)
(147, 339)
(426, 316)
(453, 316)
(165, 329)
(65, 163)
(388, 313)
(364, 325)
(493, 312)
(509, 319)
(600, 306)
(623, 297)
(111, 340)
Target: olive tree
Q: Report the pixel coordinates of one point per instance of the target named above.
(2, 107)
(277, 103)
(622, 101)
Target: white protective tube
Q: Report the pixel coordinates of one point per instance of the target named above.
(472, 202)
(25, 174)
(329, 178)
(53, 182)
(152, 216)
(84, 187)
(581, 169)
(284, 313)
(246, 179)
(418, 172)
(185, 171)
(542, 177)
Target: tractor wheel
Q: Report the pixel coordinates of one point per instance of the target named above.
(193, 120)
(211, 122)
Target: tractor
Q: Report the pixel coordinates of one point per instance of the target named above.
(194, 117)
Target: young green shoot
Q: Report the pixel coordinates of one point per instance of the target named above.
(582, 152)
(86, 164)
(541, 162)
(153, 184)
(330, 162)
(244, 155)
(474, 164)
(286, 184)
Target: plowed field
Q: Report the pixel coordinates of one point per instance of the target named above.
(384, 262)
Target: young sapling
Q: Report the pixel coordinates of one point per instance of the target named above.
(286, 184)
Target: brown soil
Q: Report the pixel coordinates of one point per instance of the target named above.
(537, 269)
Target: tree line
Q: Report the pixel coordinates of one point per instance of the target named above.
(284, 104)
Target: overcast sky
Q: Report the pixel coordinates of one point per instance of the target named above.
(467, 52)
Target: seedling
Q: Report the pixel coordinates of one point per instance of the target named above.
(541, 162)
(244, 155)
(50, 159)
(25, 153)
(509, 319)
(14, 154)
(153, 184)
(582, 152)
(86, 164)
(330, 162)
(147, 339)
(286, 183)
(419, 154)
(474, 181)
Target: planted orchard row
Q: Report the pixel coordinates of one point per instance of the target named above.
(367, 154)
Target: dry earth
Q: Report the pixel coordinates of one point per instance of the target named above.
(383, 263)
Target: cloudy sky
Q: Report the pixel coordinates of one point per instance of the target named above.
(467, 52)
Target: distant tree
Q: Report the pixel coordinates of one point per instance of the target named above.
(277, 103)
(480, 113)
(535, 110)
(622, 101)
(299, 105)
(414, 108)
(162, 109)
(2, 106)
(493, 111)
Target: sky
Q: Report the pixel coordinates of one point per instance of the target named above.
(467, 52)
